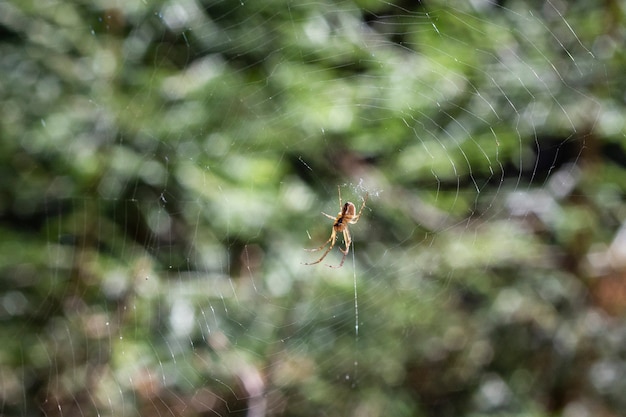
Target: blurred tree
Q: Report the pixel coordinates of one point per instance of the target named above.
(160, 166)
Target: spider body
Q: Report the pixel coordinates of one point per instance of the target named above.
(346, 216)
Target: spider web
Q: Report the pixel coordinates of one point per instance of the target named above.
(166, 163)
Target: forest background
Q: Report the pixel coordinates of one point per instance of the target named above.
(163, 164)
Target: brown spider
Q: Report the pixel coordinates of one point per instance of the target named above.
(345, 217)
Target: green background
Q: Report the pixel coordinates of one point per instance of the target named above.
(164, 164)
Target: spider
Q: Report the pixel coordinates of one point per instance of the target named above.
(345, 217)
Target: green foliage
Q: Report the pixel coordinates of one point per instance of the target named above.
(162, 165)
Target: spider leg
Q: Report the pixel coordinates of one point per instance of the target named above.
(341, 222)
(329, 216)
(356, 218)
(339, 190)
(343, 259)
(331, 240)
(348, 241)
